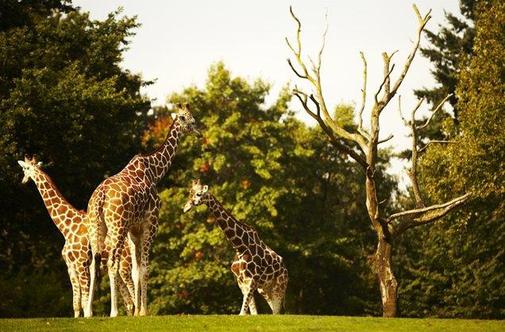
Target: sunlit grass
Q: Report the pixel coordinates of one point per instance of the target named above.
(248, 323)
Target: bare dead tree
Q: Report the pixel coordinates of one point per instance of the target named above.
(362, 146)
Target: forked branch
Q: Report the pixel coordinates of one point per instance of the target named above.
(407, 219)
(422, 21)
(390, 92)
(338, 144)
(421, 215)
(314, 78)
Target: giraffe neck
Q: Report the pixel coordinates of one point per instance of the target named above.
(235, 231)
(158, 162)
(61, 212)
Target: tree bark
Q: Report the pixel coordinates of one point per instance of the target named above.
(387, 281)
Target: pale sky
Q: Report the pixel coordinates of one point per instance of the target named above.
(179, 40)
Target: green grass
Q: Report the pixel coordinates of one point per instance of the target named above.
(249, 323)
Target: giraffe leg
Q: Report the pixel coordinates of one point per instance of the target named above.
(84, 285)
(76, 294)
(125, 281)
(95, 236)
(147, 238)
(83, 276)
(125, 294)
(252, 306)
(134, 244)
(113, 267)
(248, 294)
(88, 310)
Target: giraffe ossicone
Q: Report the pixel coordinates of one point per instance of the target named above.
(76, 251)
(256, 266)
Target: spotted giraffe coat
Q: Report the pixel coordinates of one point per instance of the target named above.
(126, 205)
(256, 266)
(76, 251)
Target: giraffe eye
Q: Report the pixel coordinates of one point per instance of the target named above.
(198, 194)
(183, 117)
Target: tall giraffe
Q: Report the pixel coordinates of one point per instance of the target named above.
(256, 266)
(127, 204)
(76, 251)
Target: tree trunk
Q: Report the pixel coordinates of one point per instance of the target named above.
(387, 281)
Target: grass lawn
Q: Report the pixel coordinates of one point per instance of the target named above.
(248, 323)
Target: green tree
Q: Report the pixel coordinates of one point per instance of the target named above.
(450, 47)
(63, 97)
(16, 13)
(273, 173)
(459, 269)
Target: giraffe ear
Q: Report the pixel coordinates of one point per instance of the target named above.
(205, 188)
(174, 116)
(21, 163)
(39, 164)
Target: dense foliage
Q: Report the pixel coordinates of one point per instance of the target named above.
(275, 174)
(458, 267)
(448, 49)
(63, 97)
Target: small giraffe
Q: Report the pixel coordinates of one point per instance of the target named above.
(127, 205)
(77, 251)
(255, 266)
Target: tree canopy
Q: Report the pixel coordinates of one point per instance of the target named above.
(65, 98)
(277, 175)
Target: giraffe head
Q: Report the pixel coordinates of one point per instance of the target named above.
(185, 119)
(196, 193)
(30, 167)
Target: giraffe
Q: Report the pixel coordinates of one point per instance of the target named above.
(126, 205)
(76, 251)
(256, 266)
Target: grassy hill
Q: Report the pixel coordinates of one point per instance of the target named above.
(249, 323)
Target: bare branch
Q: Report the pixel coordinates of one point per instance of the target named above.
(387, 79)
(400, 110)
(384, 81)
(303, 98)
(317, 105)
(416, 217)
(433, 142)
(422, 23)
(385, 139)
(413, 113)
(315, 80)
(295, 71)
(298, 30)
(323, 44)
(412, 173)
(363, 93)
(298, 51)
(439, 106)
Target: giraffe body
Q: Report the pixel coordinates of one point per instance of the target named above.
(124, 208)
(76, 251)
(256, 266)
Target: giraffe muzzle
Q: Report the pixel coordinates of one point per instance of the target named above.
(187, 207)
